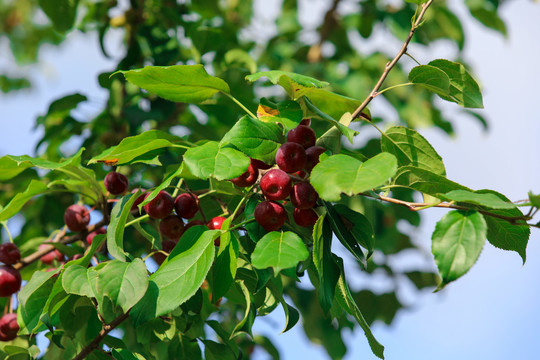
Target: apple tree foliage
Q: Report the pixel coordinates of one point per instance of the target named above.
(199, 89)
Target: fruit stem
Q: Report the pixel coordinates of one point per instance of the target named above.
(4, 223)
(240, 104)
(177, 188)
(139, 219)
(207, 193)
(241, 224)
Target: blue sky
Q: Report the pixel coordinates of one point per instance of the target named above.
(490, 313)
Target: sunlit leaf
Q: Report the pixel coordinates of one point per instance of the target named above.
(133, 147)
(181, 83)
(279, 250)
(411, 148)
(213, 160)
(457, 242)
(344, 174)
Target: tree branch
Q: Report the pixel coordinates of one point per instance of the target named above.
(392, 63)
(314, 54)
(106, 329)
(64, 240)
(414, 206)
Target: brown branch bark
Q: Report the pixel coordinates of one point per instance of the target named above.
(64, 240)
(329, 23)
(392, 63)
(107, 328)
(414, 206)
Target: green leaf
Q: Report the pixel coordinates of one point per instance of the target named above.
(123, 354)
(224, 270)
(62, 13)
(345, 299)
(216, 351)
(279, 250)
(9, 168)
(133, 147)
(75, 281)
(335, 105)
(8, 83)
(463, 88)
(249, 313)
(291, 314)
(70, 166)
(123, 283)
(534, 199)
(12, 208)
(297, 86)
(32, 298)
(431, 78)
(287, 80)
(256, 139)
(180, 276)
(343, 233)
(343, 129)
(287, 113)
(358, 225)
(505, 235)
(457, 242)
(213, 160)
(115, 230)
(488, 200)
(344, 174)
(411, 148)
(425, 181)
(322, 259)
(485, 11)
(242, 58)
(180, 83)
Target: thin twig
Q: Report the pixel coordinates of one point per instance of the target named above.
(414, 206)
(106, 329)
(392, 63)
(64, 240)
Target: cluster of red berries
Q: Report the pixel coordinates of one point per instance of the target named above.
(297, 156)
(10, 283)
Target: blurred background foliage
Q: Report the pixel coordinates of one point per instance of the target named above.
(232, 40)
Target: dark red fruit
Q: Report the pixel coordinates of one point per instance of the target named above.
(306, 122)
(303, 135)
(186, 205)
(248, 178)
(160, 206)
(193, 223)
(172, 226)
(276, 184)
(10, 280)
(9, 254)
(303, 196)
(215, 224)
(90, 237)
(291, 157)
(312, 155)
(49, 257)
(270, 215)
(135, 207)
(258, 164)
(305, 217)
(166, 245)
(116, 183)
(77, 218)
(8, 327)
